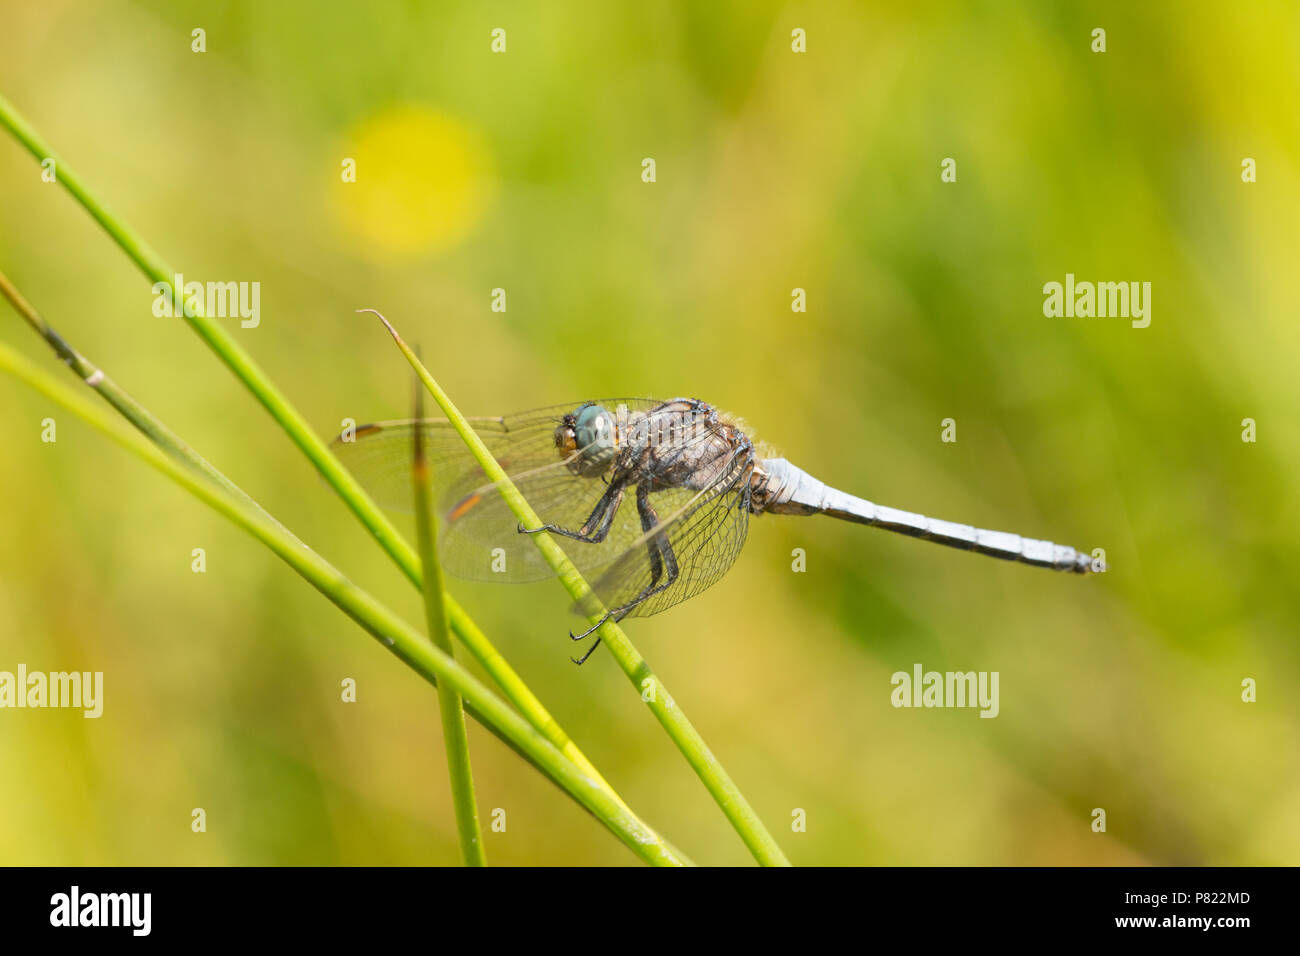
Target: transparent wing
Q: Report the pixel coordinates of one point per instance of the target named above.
(379, 454)
(479, 536)
(701, 532)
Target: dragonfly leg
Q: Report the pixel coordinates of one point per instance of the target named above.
(601, 519)
(663, 570)
(589, 631)
(663, 562)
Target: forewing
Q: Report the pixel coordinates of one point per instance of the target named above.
(379, 455)
(479, 536)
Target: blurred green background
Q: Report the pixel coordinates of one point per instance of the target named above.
(775, 170)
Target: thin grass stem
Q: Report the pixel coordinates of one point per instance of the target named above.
(454, 735)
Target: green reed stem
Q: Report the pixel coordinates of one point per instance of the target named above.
(648, 685)
(454, 735)
(316, 450)
(400, 638)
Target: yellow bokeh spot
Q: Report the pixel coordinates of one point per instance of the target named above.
(423, 182)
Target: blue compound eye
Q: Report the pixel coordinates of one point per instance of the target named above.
(594, 432)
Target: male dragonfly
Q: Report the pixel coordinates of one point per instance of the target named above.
(652, 496)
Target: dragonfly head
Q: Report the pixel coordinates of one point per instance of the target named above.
(588, 436)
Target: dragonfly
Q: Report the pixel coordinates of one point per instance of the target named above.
(650, 499)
